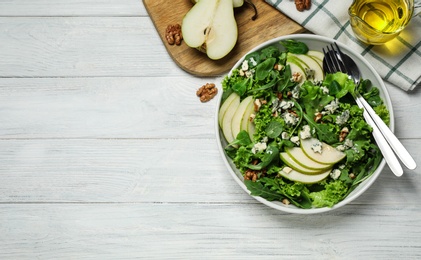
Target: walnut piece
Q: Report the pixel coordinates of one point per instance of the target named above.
(207, 92)
(173, 34)
(302, 5)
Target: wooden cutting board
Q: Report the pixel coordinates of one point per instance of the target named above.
(269, 24)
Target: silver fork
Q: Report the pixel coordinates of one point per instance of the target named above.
(335, 60)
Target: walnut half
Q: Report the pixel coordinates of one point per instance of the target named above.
(207, 92)
(173, 34)
(302, 5)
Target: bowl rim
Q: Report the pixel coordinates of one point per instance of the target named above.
(361, 188)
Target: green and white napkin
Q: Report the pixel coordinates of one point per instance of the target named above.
(397, 62)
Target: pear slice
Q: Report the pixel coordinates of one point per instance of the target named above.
(316, 54)
(246, 116)
(210, 26)
(239, 115)
(247, 124)
(309, 63)
(224, 107)
(227, 118)
(294, 175)
(288, 160)
(297, 154)
(326, 155)
(296, 67)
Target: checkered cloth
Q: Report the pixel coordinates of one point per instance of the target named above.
(397, 62)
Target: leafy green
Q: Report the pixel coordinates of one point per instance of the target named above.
(295, 47)
(263, 69)
(332, 193)
(274, 129)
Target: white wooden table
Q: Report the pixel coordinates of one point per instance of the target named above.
(107, 153)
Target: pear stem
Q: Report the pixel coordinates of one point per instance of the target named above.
(249, 2)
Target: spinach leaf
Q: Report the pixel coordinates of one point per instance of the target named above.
(269, 52)
(274, 129)
(295, 47)
(263, 69)
(242, 138)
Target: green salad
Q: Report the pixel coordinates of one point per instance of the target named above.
(295, 134)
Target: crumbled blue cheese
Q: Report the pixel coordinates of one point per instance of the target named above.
(290, 118)
(309, 73)
(284, 135)
(296, 92)
(317, 147)
(253, 62)
(258, 147)
(341, 148)
(245, 65)
(249, 73)
(343, 118)
(286, 104)
(295, 140)
(335, 174)
(325, 90)
(305, 133)
(332, 106)
(348, 143)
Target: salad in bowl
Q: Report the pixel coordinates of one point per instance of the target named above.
(291, 135)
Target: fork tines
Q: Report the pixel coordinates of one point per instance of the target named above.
(334, 59)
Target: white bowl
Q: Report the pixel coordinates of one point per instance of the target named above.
(314, 42)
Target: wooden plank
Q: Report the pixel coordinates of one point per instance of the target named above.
(115, 170)
(269, 24)
(82, 46)
(147, 171)
(46, 8)
(105, 108)
(205, 231)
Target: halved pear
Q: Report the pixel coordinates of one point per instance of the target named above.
(224, 107)
(288, 160)
(294, 175)
(239, 115)
(327, 155)
(227, 119)
(210, 26)
(297, 154)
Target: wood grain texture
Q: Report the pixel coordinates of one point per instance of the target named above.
(91, 8)
(82, 47)
(269, 24)
(205, 231)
